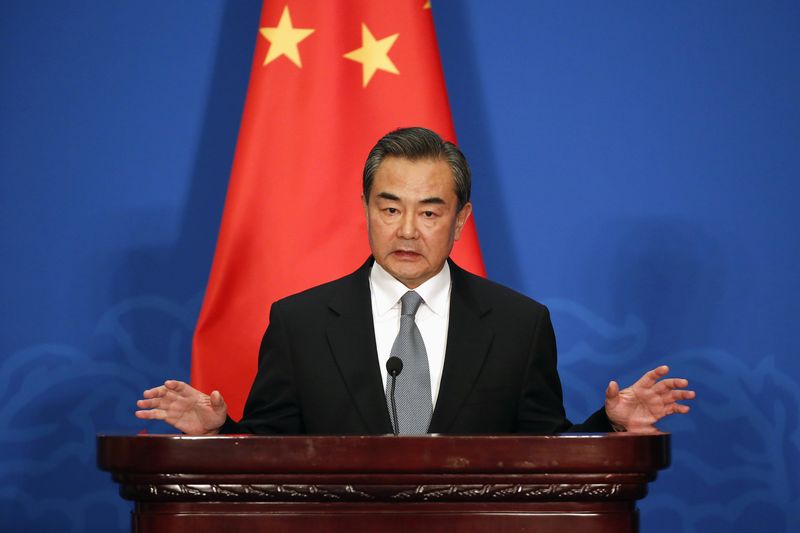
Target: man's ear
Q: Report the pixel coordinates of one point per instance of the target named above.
(461, 219)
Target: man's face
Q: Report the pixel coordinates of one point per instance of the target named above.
(412, 218)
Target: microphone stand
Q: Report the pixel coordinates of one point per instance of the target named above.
(394, 366)
(394, 406)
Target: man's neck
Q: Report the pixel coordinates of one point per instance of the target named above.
(387, 289)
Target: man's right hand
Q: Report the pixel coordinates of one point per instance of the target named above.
(184, 407)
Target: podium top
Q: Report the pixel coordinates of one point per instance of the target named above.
(434, 454)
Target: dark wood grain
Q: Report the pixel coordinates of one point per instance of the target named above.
(435, 483)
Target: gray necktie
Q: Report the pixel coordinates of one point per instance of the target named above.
(413, 389)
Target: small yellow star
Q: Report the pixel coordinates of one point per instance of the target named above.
(427, 5)
(284, 38)
(373, 54)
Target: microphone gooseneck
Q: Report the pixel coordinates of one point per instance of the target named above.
(394, 366)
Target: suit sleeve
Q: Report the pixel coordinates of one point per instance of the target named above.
(272, 407)
(541, 408)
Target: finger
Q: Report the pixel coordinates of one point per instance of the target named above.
(155, 392)
(683, 394)
(146, 404)
(677, 395)
(676, 383)
(671, 383)
(175, 385)
(650, 378)
(680, 408)
(162, 402)
(151, 414)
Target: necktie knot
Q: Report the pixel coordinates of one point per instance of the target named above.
(409, 303)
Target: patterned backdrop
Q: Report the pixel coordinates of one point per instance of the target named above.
(636, 169)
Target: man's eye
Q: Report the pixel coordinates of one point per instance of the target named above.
(428, 214)
(391, 210)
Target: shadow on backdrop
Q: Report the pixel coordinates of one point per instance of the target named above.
(468, 103)
(178, 273)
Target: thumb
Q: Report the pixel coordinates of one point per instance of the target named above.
(612, 391)
(217, 401)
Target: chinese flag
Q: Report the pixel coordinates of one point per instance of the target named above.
(328, 80)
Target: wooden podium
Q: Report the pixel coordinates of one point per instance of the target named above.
(586, 483)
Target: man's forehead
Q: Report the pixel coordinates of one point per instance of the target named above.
(411, 160)
(401, 177)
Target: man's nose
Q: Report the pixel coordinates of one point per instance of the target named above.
(408, 227)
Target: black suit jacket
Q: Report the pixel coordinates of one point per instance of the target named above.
(318, 367)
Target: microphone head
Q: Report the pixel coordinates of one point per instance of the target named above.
(394, 366)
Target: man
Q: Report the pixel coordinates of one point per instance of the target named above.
(478, 357)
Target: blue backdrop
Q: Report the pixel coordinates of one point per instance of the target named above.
(636, 168)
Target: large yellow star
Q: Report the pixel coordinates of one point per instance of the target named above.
(284, 38)
(373, 54)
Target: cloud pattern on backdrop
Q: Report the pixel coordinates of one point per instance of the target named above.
(58, 398)
(747, 413)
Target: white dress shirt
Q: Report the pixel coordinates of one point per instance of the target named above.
(432, 318)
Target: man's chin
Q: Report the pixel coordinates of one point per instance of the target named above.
(406, 272)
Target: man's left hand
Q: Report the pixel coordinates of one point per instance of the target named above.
(637, 408)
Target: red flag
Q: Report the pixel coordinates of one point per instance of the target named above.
(328, 80)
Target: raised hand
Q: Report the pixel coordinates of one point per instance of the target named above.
(638, 407)
(184, 407)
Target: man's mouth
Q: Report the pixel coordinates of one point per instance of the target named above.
(405, 254)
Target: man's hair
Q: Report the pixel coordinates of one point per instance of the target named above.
(417, 144)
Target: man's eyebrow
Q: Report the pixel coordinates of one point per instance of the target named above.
(426, 201)
(433, 200)
(387, 196)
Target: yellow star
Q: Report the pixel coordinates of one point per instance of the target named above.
(284, 38)
(427, 5)
(373, 54)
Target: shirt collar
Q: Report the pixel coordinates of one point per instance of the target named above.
(387, 291)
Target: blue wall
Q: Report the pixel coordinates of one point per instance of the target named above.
(636, 169)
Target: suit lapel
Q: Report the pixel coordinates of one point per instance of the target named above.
(351, 335)
(468, 342)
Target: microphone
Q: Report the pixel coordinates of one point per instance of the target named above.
(394, 366)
